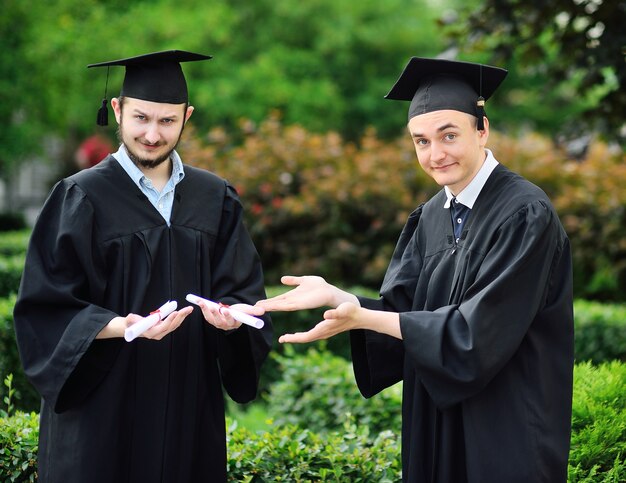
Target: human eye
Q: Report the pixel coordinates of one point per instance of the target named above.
(420, 141)
(449, 136)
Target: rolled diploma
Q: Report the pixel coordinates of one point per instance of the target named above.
(237, 314)
(144, 324)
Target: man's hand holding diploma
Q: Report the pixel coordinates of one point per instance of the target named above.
(135, 330)
(228, 317)
(163, 326)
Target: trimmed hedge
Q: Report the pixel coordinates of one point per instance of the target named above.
(14, 242)
(11, 268)
(600, 331)
(353, 453)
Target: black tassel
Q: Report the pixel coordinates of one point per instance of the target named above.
(480, 113)
(103, 114)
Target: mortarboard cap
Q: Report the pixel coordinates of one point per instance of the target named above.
(155, 77)
(438, 84)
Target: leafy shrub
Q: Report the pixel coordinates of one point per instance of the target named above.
(588, 194)
(317, 391)
(19, 436)
(353, 452)
(600, 331)
(290, 453)
(598, 444)
(11, 268)
(25, 398)
(14, 242)
(315, 203)
(318, 204)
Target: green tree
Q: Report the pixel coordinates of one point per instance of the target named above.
(325, 64)
(569, 53)
(16, 84)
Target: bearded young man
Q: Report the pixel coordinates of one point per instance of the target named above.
(112, 244)
(476, 310)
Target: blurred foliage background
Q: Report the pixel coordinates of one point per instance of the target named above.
(324, 64)
(291, 110)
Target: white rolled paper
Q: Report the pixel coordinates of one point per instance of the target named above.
(237, 314)
(138, 328)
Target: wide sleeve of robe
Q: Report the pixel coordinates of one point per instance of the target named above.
(55, 323)
(378, 359)
(521, 277)
(238, 278)
(463, 320)
(66, 286)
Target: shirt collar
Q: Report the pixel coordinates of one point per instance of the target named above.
(470, 193)
(137, 175)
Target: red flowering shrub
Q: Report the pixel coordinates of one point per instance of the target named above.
(316, 204)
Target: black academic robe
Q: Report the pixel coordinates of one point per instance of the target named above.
(487, 350)
(144, 411)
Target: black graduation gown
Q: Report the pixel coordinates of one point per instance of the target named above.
(145, 411)
(487, 350)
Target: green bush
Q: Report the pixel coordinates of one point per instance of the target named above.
(600, 331)
(315, 203)
(290, 453)
(14, 242)
(598, 444)
(317, 391)
(19, 435)
(25, 398)
(11, 268)
(319, 204)
(352, 452)
(315, 384)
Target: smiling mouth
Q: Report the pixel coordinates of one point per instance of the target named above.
(151, 147)
(443, 167)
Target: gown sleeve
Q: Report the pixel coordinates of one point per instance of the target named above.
(55, 325)
(238, 278)
(457, 349)
(378, 359)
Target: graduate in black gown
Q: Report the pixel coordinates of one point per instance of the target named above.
(112, 244)
(475, 313)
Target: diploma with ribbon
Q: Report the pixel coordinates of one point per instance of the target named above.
(138, 328)
(237, 314)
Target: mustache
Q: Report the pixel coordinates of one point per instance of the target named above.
(147, 143)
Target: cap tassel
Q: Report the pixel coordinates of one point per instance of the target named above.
(480, 113)
(103, 114)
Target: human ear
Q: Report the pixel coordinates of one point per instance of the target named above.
(117, 109)
(188, 113)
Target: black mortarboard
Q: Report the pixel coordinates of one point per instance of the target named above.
(155, 77)
(437, 84)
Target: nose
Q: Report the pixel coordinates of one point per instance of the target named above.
(437, 151)
(152, 133)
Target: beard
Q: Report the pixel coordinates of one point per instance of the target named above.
(146, 162)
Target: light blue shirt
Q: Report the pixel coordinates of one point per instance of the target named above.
(163, 200)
